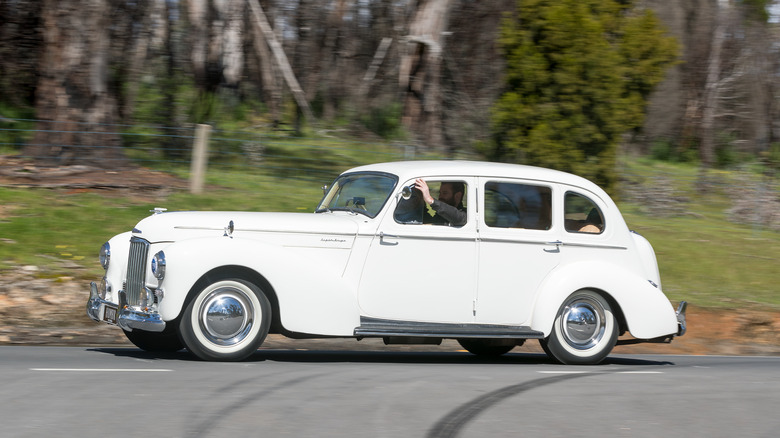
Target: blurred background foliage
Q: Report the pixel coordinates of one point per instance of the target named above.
(563, 84)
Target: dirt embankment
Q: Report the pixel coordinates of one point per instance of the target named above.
(38, 311)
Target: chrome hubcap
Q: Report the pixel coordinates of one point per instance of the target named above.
(583, 323)
(226, 316)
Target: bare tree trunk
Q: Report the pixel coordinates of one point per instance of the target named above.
(379, 57)
(138, 47)
(21, 43)
(272, 88)
(420, 71)
(281, 59)
(72, 94)
(206, 56)
(711, 91)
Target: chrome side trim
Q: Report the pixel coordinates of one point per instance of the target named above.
(547, 243)
(590, 245)
(432, 238)
(378, 327)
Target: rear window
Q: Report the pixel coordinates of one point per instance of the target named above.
(582, 215)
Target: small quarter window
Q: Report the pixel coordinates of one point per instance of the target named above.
(513, 205)
(582, 215)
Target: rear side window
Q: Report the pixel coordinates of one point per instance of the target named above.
(582, 215)
(514, 205)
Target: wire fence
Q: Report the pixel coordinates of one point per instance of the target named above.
(274, 152)
(752, 197)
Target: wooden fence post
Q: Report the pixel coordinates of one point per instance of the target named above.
(199, 158)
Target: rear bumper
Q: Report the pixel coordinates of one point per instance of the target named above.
(681, 327)
(127, 318)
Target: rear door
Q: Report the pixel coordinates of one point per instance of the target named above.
(518, 247)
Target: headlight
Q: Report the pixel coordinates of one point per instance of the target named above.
(158, 265)
(105, 255)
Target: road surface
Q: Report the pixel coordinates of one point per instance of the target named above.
(97, 392)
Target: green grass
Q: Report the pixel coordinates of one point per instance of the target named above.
(61, 230)
(713, 263)
(704, 258)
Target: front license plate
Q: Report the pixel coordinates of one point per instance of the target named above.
(109, 314)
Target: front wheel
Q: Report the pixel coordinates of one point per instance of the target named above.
(227, 320)
(584, 332)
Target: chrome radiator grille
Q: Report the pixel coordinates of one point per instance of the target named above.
(136, 270)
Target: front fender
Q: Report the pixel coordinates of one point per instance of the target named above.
(311, 299)
(647, 311)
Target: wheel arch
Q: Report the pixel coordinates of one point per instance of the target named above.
(242, 273)
(617, 310)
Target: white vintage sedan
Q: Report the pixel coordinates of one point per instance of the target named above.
(411, 252)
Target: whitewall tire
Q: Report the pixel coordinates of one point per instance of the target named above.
(226, 320)
(585, 330)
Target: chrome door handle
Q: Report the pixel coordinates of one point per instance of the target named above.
(557, 244)
(383, 236)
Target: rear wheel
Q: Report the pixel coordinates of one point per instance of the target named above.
(489, 347)
(226, 320)
(584, 331)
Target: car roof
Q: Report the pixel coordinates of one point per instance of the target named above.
(406, 170)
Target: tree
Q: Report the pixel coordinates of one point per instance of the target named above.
(738, 95)
(420, 70)
(20, 47)
(578, 76)
(72, 94)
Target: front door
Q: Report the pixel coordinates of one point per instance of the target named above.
(420, 271)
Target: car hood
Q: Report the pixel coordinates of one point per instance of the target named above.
(175, 226)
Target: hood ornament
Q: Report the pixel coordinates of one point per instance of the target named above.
(229, 230)
(158, 210)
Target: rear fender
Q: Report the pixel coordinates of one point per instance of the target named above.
(647, 311)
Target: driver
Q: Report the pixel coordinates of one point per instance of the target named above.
(449, 207)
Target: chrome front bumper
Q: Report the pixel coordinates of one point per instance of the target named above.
(127, 318)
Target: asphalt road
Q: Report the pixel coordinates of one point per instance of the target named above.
(91, 392)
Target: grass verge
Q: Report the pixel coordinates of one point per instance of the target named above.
(704, 257)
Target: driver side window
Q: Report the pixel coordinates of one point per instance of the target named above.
(451, 196)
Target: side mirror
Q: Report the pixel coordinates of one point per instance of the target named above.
(407, 191)
(324, 190)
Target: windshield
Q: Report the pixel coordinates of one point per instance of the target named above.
(364, 193)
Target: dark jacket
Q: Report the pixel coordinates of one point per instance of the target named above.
(447, 214)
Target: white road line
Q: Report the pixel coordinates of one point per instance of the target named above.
(103, 370)
(600, 372)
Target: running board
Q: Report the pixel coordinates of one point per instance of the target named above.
(376, 327)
